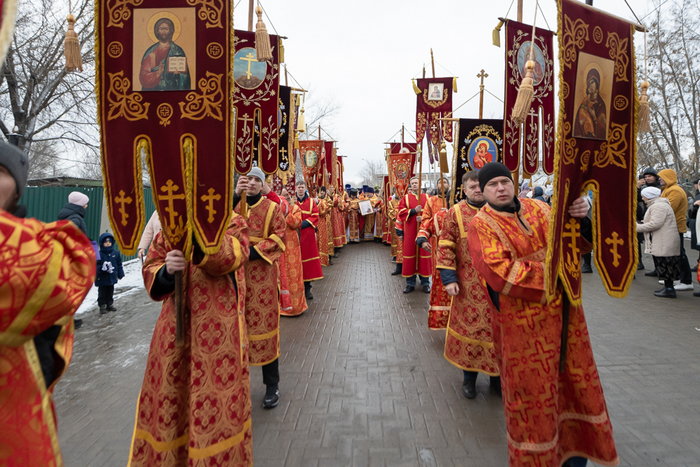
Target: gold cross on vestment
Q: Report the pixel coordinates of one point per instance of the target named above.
(615, 241)
(170, 189)
(250, 58)
(572, 233)
(209, 199)
(122, 201)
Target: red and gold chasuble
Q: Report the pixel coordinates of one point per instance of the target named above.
(337, 221)
(550, 415)
(377, 205)
(266, 229)
(469, 339)
(194, 406)
(430, 228)
(310, 258)
(325, 234)
(410, 232)
(396, 242)
(293, 300)
(354, 220)
(45, 273)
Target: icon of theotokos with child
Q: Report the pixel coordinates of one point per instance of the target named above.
(591, 116)
(164, 65)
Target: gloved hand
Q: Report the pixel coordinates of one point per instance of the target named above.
(107, 266)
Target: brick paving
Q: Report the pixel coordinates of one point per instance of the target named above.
(364, 383)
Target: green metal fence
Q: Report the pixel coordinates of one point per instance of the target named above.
(44, 203)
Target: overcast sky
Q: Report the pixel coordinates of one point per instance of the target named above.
(361, 56)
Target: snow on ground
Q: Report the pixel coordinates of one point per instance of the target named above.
(130, 284)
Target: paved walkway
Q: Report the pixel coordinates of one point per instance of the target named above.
(364, 381)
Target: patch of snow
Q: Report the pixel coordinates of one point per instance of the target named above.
(130, 284)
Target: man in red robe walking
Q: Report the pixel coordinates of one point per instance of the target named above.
(554, 404)
(415, 260)
(310, 258)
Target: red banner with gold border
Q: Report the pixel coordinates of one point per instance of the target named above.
(400, 167)
(163, 84)
(311, 154)
(595, 148)
(538, 128)
(395, 148)
(340, 186)
(329, 152)
(434, 101)
(256, 104)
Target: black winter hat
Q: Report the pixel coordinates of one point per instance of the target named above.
(650, 171)
(492, 170)
(17, 163)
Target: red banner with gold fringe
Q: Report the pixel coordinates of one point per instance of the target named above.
(595, 148)
(256, 105)
(434, 101)
(311, 153)
(538, 129)
(395, 148)
(163, 84)
(400, 167)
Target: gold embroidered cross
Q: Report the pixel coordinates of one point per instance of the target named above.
(250, 58)
(572, 232)
(615, 241)
(283, 153)
(122, 201)
(170, 189)
(209, 199)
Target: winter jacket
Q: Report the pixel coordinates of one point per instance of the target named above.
(538, 193)
(149, 233)
(659, 228)
(75, 214)
(109, 264)
(676, 196)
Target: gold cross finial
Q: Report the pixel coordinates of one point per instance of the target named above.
(122, 201)
(170, 188)
(615, 241)
(482, 74)
(209, 199)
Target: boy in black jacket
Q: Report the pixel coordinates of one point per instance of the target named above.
(109, 271)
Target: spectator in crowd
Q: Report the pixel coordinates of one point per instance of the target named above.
(692, 216)
(149, 233)
(538, 194)
(676, 196)
(109, 272)
(74, 210)
(648, 177)
(661, 239)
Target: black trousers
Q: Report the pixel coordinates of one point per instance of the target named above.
(105, 295)
(686, 277)
(271, 373)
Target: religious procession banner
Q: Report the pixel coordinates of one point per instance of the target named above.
(286, 132)
(256, 100)
(8, 13)
(395, 148)
(328, 163)
(341, 183)
(480, 141)
(434, 101)
(400, 167)
(311, 153)
(164, 83)
(595, 148)
(540, 121)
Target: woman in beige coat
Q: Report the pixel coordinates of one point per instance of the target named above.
(661, 239)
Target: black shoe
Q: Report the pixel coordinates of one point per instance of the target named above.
(660, 290)
(426, 288)
(409, 289)
(111, 308)
(272, 397)
(667, 292)
(307, 291)
(77, 323)
(398, 269)
(495, 385)
(696, 294)
(652, 273)
(586, 269)
(103, 309)
(308, 295)
(469, 389)
(640, 266)
(694, 268)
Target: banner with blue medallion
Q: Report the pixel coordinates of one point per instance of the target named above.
(480, 142)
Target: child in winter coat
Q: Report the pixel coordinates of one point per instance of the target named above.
(109, 271)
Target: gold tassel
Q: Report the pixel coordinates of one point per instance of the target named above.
(416, 89)
(263, 50)
(280, 50)
(443, 158)
(454, 84)
(301, 124)
(526, 93)
(71, 47)
(496, 34)
(644, 113)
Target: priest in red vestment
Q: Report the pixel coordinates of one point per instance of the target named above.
(430, 228)
(266, 229)
(555, 409)
(292, 299)
(337, 219)
(354, 216)
(469, 339)
(310, 258)
(415, 260)
(45, 272)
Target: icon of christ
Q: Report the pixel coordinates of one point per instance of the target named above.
(164, 64)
